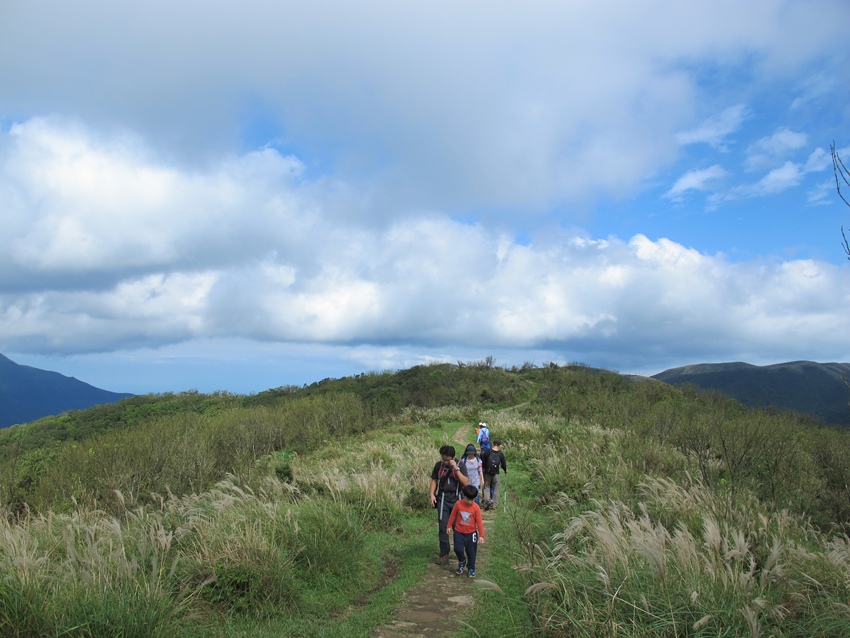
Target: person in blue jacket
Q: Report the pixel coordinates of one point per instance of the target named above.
(483, 439)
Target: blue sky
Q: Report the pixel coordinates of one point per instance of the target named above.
(215, 197)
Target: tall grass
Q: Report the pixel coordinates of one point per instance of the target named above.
(614, 571)
(658, 538)
(383, 480)
(183, 453)
(259, 547)
(635, 510)
(88, 573)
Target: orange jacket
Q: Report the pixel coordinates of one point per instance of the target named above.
(466, 518)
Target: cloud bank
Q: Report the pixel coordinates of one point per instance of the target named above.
(112, 248)
(401, 182)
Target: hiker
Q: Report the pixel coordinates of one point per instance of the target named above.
(483, 439)
(467, 525)
(447, 479)
(493, 459)
(474, 469)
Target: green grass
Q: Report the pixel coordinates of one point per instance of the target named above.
(400, 561)
(632, 510)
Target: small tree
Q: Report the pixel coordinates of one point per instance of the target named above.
(841, 175)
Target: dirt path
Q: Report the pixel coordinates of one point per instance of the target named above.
(439, 604)
(465, 435)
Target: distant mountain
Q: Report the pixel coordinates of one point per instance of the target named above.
(816, 389)
(27, 393)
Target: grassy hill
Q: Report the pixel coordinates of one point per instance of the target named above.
(817, 389)
(636, 509)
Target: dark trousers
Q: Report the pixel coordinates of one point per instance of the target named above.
(445, 503)
(466, 548)
(491, 489)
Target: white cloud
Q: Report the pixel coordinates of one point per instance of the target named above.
(819, 160)
(696, 180)
(787, 176)
(294, 173)
(821, 194)
(649, 294)
(812, 88)
(778, 180)
(768, 150)
(248, 249)
(77, 207)
(438, 104)
(715, 130)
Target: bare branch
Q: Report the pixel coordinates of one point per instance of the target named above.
(840, 172)
(841, 175)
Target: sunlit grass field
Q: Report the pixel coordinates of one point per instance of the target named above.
(632, 510)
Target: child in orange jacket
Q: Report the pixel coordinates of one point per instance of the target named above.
(468, 526)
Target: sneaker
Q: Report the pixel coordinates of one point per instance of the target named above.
(459, 569)
(443, 560)
(471, 573)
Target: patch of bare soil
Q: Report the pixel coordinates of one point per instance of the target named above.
(442, 602)
(465, 434)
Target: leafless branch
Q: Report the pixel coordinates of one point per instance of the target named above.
(841, 175)
(840, 172)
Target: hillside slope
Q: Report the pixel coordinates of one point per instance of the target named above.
(28, 393)
(816, 389)
(305, 512)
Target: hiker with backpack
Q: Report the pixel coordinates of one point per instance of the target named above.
(447, 479)
(493, 459)
(467, 526)
(483, 439)
(474, 469)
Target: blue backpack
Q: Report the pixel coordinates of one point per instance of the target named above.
(485, 439)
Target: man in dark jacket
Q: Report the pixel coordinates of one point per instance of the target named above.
(447, 479)
(493, 460)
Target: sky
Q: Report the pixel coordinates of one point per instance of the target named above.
(222, 196)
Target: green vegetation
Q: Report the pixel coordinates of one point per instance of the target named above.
(815, 389)
(634, 509)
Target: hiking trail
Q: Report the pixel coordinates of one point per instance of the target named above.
(441, 603)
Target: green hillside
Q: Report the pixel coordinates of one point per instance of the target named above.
(816, 389)
(636, 509)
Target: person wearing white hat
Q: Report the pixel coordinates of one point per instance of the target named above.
(483, 439)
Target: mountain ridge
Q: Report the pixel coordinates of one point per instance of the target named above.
(808, 387)
(28, 393)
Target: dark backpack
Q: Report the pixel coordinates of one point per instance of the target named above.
(448, 484)
(494, 458)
